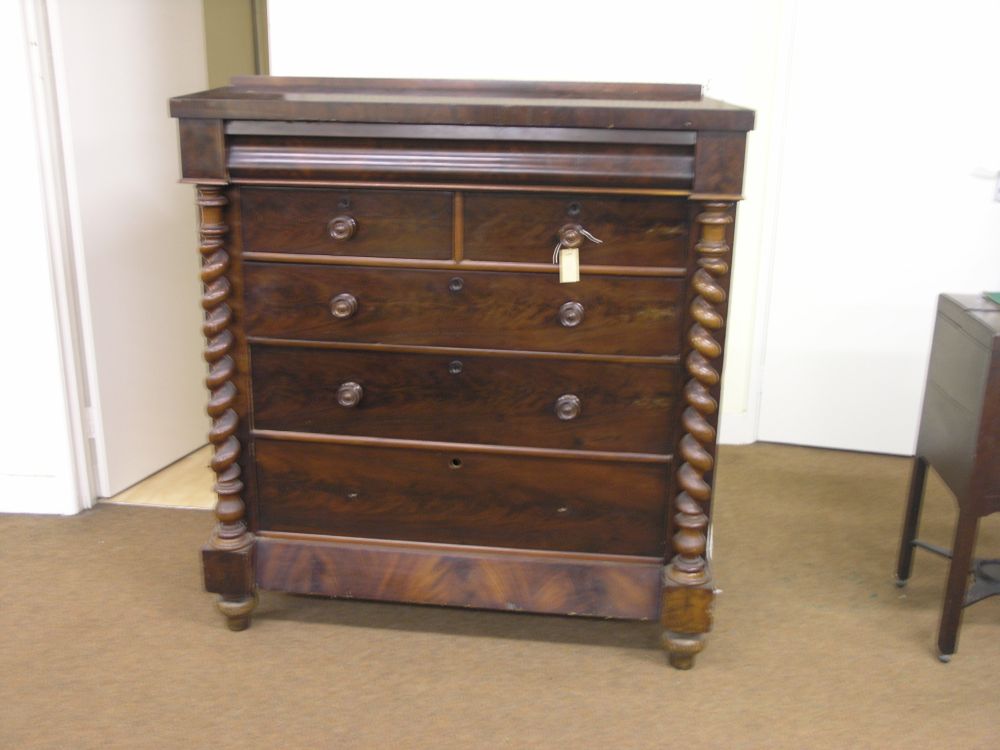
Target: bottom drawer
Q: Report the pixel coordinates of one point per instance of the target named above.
(461, 498)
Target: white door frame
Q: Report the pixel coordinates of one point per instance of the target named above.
(66, 275)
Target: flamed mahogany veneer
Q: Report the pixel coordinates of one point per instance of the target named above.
(406, 402)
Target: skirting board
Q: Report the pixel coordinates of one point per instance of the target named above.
(37, 494)
(737, 428)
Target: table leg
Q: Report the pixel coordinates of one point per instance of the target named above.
(958, 581)
(911, 520)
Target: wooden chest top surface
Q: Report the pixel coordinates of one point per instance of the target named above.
(499, 103)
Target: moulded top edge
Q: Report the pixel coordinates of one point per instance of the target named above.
(517, 104)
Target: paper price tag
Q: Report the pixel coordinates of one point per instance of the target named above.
(569, 265)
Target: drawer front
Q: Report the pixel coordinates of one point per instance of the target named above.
(530, 311)
(461, 498)
(466, 399)
(634, 230)
(379, 223)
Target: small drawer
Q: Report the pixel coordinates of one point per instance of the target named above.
(545, 403)
(461, 497)
(376, 223)
(634, 230)
(476, 309)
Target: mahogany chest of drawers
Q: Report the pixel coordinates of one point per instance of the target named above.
(407, 402)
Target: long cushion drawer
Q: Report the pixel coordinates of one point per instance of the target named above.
(531, 311)
(466, 399)
(380, 223)
(461, 498)
(634, 230)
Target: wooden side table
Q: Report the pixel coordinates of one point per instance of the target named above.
(960, 439)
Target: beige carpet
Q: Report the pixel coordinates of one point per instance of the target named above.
(109, 642)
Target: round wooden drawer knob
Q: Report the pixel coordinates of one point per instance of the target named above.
(571, 314)
(343, 306)
(568, 407)
(342, 228)
(349, 395)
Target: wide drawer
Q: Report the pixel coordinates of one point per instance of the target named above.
(634, 230)
(529, 311)
(461, 498)
(466, 399)
(379, 223)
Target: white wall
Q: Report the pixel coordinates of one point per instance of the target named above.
(117, 63)
(860, 206)
(733, 48)
(36, 466)
(888, 119)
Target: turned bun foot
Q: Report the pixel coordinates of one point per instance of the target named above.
(682, 648)
(237, 611)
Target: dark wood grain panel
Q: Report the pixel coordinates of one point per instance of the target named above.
(203, 150)
(389, 223)
(635, 231)
(533, 104)
(491, 310)
(512, 162)
(719, 160)
(417, 185)
(482, 578)
(466, 399)
(458, 132)
(435, 496)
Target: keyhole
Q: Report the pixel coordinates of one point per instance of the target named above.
(573, 209)
(344, 203)
(455, 368)
(456, 463)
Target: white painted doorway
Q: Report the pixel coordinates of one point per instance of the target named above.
(133, 227)
(891, 128)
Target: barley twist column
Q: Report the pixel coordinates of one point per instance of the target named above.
(688, 590)
(228, 559)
